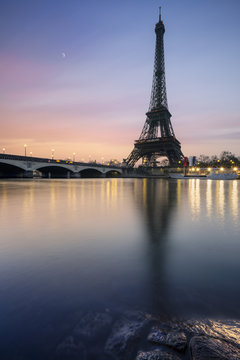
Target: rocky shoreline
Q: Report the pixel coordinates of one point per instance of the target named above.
(135, 335)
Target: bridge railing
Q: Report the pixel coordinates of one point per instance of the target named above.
(53, 161)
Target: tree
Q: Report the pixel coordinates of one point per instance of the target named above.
(228, 159)
(203, 160)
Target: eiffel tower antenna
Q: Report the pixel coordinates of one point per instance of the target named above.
(157, 137)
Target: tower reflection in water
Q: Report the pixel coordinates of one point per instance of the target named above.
(157, 200)
(191, 243)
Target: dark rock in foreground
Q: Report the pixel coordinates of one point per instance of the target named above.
(89, 331)
(174, 339)
(124, 337)
(156, 355)
(110, 335)
(207, 348)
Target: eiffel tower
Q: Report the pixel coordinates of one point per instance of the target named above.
(157, 138)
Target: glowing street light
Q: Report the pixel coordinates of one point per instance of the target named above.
(25, 149)
(4, 150)
(30, 153)
(53, 150)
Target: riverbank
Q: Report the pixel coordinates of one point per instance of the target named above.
(135, 335)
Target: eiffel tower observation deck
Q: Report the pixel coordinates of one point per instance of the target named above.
(157, 138)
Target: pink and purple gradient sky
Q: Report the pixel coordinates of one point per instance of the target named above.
(76, 75)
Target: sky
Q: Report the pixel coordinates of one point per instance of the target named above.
(76, 75)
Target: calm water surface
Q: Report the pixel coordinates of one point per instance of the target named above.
(169, 247)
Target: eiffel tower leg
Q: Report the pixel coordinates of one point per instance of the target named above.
(175, 156)
(134, 156)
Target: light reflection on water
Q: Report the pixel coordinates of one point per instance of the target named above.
(233, 199)
(163, 246)
(209, 198)
(194, 197)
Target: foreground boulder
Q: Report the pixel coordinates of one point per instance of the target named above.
(156, 355)
(207, 348)
(174, 339)
(86, 337)
(123, 338)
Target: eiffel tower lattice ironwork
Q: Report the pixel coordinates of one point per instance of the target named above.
(157, 138)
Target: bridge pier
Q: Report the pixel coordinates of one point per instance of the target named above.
(126, 171)
(103, 175)
(28, 174)
(76, 175)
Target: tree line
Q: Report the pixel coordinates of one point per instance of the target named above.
(226, 159)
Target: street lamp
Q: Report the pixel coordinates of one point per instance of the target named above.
(30, 153)
(53, 150)
(25, 149)
(102, 160)
(4, 150)
(89, 158)
(74, 156)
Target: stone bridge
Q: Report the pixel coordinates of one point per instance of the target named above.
(26, 166)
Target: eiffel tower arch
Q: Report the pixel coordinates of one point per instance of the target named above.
(157, 137)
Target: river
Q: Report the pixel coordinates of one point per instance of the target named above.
(168, 247)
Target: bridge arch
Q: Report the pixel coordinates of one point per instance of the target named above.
(54, 171)
(10, 170)
(90, 173)
(46, 165)
(113, 173)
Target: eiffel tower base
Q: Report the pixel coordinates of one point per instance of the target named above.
(150, 150)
